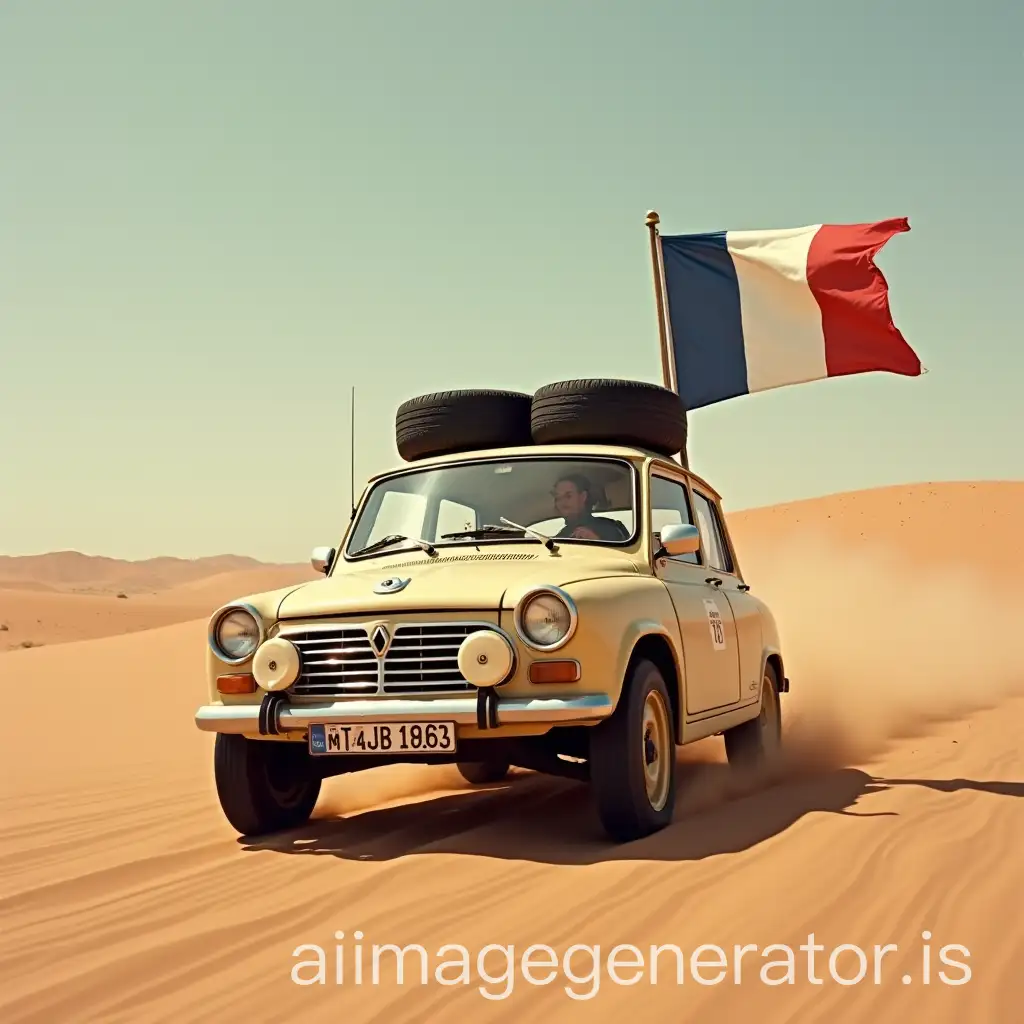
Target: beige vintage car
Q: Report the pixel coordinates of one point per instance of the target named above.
(565, 600)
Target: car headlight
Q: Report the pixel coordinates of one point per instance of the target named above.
(546, 618)
(236, 633)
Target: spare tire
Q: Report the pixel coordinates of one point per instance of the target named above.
(626, 412)
(460, 421)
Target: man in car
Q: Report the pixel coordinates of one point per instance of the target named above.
(573, 500)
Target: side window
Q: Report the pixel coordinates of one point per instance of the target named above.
(711, 534)
(670, 504)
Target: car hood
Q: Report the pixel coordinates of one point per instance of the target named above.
(477, 581)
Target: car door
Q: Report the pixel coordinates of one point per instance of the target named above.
(711, 662)
(745, 613)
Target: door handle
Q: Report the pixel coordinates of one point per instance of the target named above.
(714, 579)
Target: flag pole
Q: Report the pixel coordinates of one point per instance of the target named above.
(664, 332)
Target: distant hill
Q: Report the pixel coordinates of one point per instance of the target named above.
(970, 521)
(98, 574)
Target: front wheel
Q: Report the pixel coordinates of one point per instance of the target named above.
(263, 785)
(756, 745)
(632, 758)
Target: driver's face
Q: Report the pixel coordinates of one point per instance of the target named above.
(569, 500)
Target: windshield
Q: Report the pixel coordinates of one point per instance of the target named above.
(585, 500)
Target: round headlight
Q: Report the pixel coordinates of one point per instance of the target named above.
(547, 619)
(236, 635)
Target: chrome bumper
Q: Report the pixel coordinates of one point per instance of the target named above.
(244, 718)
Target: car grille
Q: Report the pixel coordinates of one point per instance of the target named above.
(335, 662)
(422, 659)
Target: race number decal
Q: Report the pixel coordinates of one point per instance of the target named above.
(715, 625)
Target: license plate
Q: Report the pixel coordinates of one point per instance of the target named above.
(382, 738)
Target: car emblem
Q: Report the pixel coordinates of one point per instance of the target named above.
(392, 585)
(380, 638)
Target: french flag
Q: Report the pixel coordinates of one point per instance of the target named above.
(753, 310)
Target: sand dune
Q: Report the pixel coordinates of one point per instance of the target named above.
(126, 897)
(39, 618)
(96, 574)
(930, 524)
(30, 618)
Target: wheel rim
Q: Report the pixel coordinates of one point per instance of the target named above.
(657, 750)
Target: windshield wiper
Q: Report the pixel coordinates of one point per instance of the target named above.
(483, 531)
(394, 538)
(545, 540)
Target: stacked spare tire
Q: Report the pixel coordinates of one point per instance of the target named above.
(625, 412)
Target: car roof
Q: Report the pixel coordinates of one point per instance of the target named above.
(551, 450)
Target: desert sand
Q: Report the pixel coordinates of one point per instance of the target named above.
(37, 615)
(125, 896)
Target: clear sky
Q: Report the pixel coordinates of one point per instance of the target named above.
(217, 217)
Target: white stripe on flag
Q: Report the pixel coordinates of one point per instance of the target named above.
(782, 333)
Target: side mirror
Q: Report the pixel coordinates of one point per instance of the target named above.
(322, 559)
(680, 539)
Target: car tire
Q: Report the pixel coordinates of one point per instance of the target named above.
(628, 412)
(628, 805)
(449, 422)
(480, 773)
(756, 745)
(263, 785)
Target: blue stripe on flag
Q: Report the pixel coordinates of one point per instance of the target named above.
(703, 298)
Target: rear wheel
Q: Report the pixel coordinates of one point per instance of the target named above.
(632, 758)
(263, 785)
(481, 773)
(757, 745)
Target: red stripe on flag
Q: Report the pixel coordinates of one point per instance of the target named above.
(853, 296)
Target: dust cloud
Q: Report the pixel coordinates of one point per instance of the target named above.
(878, 648)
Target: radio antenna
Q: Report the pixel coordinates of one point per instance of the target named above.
(352, 455)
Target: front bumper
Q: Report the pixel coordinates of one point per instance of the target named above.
(245, 718)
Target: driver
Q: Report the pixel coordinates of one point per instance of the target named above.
(573, 500)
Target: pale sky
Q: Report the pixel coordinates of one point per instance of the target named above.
(217, 217)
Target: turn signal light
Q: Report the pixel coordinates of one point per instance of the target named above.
(241, 683)
(554, 671)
